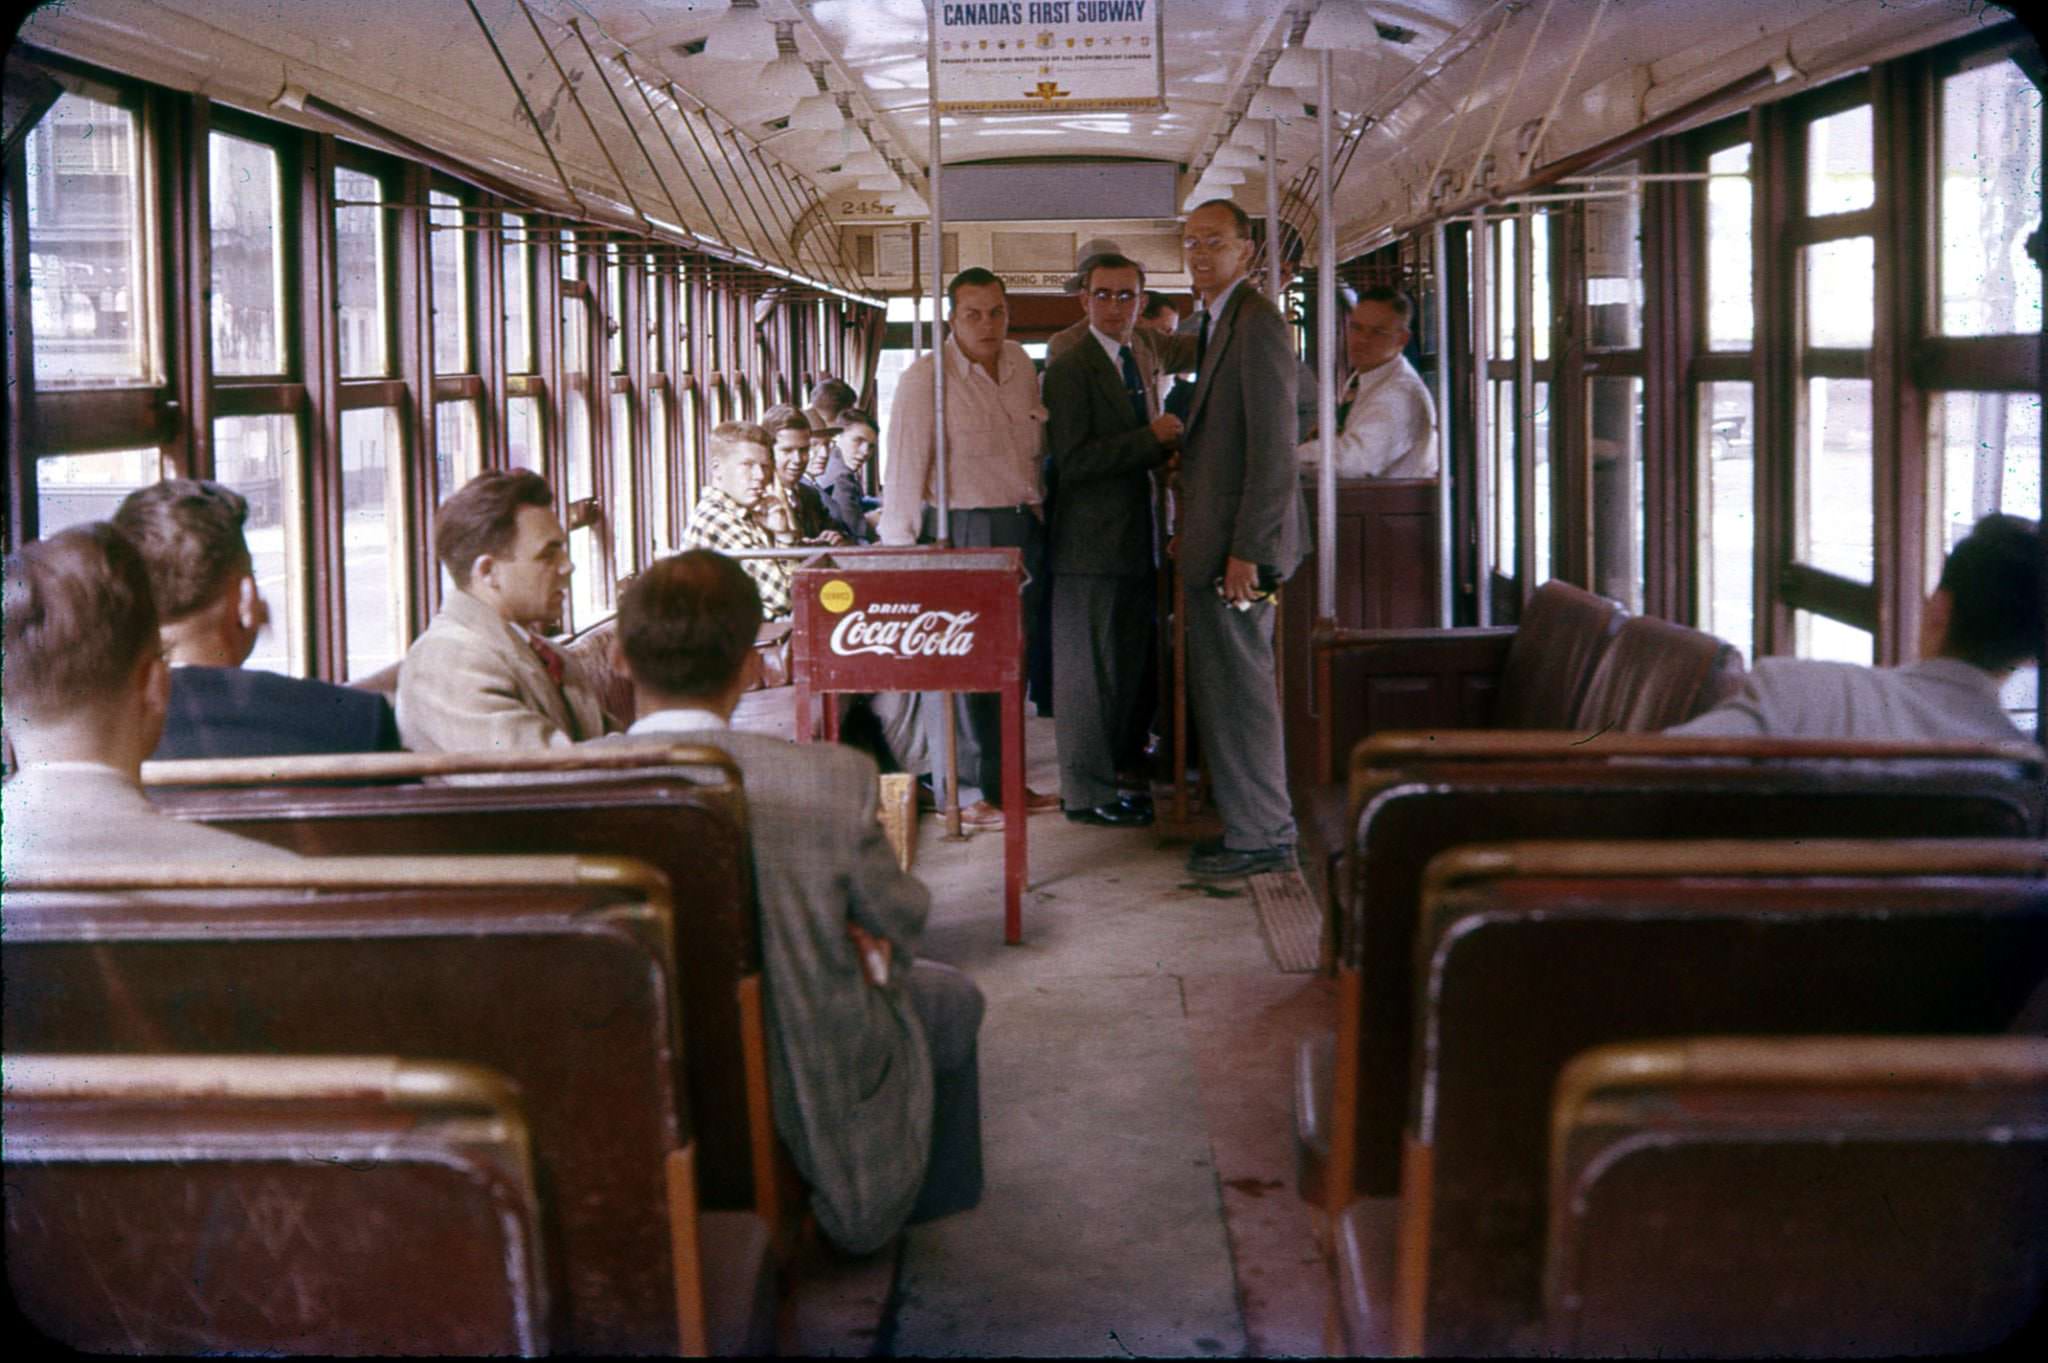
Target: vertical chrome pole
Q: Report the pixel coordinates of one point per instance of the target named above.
(940, 481)
(1482, 418)
(1274, 278)
(1326, 355)
(1446, 549)
(1525, 401)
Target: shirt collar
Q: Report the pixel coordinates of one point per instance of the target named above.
(1215, 310)
(967, 368)
(1959, 673)
(1109, 343)
(677, 722)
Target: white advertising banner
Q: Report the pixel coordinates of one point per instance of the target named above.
(1048, 56)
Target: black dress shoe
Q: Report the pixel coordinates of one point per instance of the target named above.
(1228, 863)
(1115, 814)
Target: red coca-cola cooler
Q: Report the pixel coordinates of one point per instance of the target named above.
(921, 620)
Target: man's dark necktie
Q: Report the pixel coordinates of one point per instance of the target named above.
(1202, 341)
(1134, 387)
(1344, 407)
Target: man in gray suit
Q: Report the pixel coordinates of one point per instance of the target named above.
(1240, 536)
(1106, 433)
(482, 677)
(875, 1078)
(87, 689)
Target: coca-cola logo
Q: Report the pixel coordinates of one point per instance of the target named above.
(894, 630)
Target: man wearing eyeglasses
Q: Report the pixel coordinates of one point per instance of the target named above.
(1241, 533)
(1386, 422)
(1106, 435)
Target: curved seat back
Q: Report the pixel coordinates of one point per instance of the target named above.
(1564, 633)
(1654, 675)
(181, 1205)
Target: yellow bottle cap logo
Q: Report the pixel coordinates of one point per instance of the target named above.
(836, 596)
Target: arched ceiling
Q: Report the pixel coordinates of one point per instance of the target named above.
(675, 116)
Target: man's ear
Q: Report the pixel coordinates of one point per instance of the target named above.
(155, 683)
(483, 573)
(250, 610)
(1934, 616)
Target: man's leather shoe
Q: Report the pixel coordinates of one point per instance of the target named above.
(1115, 814)
(1039, 804)
(981, 814)
(1228, 863)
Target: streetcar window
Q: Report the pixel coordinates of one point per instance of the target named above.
(659, 532)
(1989, 448)
(1539, 467)
(1731, 305)
(1614, 409)
(625, 543)
(1841, 173)
(1835, 516)
(1614, 268)
(246, 215)
(585, 598)
(523, 434)
(448, 250)
(1841, 293)
(258, 456)
(518, 261)
(373, 538)
(362, 281)
(1990, 201)
(1727, 489)
(91, 292)
(1819, 636)
(457, 447)
(73, 489)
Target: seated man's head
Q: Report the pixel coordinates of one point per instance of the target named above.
(741, 462)
(1991, 607)
(831, 397)
(822, 435)
(686, 632)
(501, 542)
(190, 535)
(1376, 328)
(85, 677)
(858, 435)
(791, 432)
(1159, 315)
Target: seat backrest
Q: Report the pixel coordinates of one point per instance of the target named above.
(557, 972)
(1749, 1197)
(1654, 675)
(691, 832)
(1564, 633)
(1412, 810)
(1533, 953)
(268, 1205)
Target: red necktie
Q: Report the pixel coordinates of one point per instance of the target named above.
(549, 659)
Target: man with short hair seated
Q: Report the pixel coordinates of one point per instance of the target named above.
(86, 688)
(742, 467)
(850, 451)
(210, 610)
(1986, 619)
(876, 1083)
(482, 677)
(794, 511)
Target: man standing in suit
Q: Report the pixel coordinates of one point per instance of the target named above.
(482, 677)
(876, 1082)
(1106, 435)
(190, 535)
(995, 431)
(1240, 536)
(86, 690)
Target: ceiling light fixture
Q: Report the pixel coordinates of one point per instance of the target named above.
(818, 112)
(741, 37)
(1343, 25)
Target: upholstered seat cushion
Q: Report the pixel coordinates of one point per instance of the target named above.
(1563, 634)
(1654, 675)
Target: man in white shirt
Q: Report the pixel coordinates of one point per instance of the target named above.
(1386, 420)
(1985, 620)
(995, 441)
(86, 692)
(876, 1086)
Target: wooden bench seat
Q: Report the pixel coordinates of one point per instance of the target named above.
(1744, 1197)
(677, 808)
(1418, 795)
(1533, 953)
(207, 1205)
(557, 972)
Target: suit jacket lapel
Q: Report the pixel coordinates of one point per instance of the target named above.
(1109, 380)
(525, 664)
(1219, 336)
